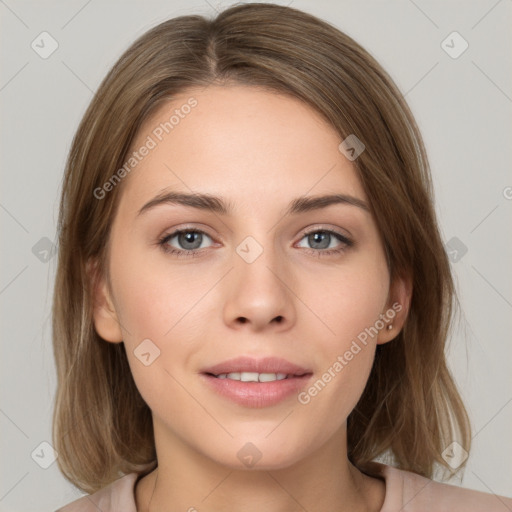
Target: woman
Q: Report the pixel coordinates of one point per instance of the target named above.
(253, 298)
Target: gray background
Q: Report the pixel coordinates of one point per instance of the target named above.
(463, 106)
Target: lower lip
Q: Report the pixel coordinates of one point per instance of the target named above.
(257, 394)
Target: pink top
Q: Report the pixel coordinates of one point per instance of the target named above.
(405, 492)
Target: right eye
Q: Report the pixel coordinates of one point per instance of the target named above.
(188, 240)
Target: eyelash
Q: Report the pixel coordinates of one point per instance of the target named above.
(163, 243)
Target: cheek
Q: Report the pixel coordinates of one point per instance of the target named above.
(349, 303)
(347, 299)
(154, 298)
(159, 337)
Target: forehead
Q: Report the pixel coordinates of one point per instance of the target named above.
(244, 143)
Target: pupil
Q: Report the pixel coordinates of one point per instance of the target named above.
(189, 238)
(321, 237)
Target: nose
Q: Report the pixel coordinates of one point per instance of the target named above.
(258, 294)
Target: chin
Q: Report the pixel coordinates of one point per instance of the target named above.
(259, 455)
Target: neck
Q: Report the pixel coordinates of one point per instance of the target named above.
(188, 480)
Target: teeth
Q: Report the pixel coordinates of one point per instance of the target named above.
(253, 376)
(247, 377)
(268, 377)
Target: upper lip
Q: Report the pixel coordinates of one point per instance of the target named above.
(264, 365)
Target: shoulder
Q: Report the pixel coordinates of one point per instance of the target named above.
(119, 495)
(410, 492)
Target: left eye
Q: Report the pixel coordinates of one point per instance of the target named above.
(321, 239)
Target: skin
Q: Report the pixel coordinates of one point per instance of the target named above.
(259, 150)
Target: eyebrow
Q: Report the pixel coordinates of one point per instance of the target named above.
(216, 204)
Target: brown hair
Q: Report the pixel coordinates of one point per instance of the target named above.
(410, 408)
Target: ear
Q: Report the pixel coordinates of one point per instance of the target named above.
(105, 317)
(396, 309)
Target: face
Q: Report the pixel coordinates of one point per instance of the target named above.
(256, 279)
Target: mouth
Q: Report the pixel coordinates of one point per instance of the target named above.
(255, 376)
(256, 383)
